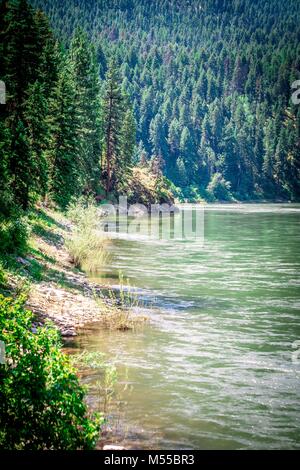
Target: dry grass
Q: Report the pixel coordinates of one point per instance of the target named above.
(118, 307)
(86, 245)
(87, 250)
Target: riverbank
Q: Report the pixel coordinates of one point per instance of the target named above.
(55, 289)
(42, 282)
(213, 368)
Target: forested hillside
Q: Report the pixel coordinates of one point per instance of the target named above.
(64, 130)
(210, 83)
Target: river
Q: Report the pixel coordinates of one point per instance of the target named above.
(216, 366)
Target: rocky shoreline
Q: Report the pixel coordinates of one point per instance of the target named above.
(69, 311)
(64, 295)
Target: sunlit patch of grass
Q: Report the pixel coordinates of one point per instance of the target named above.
(45, 219)
(86, 244)
(39, 254)
(35, 270)
(87, 250)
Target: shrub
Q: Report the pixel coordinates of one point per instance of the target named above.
(219, 189)
(13, 235)
(83, 212)
(146, 187)
(3, 277)
(41, 400)
(87, 250)
(86, 245)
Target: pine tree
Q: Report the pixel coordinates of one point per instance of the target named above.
(36, 114)
(174, 136)
(20, 54)
(21, 165)
(112, 119)
(29, 69)
(141, 155)
(128, 140)
(48, 54)
(5, 190)
(86, 75)
(240, 74)
(270, 140)
(158, 136)
(25, 111)
(63, 151)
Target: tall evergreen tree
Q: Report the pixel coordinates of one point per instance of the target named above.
(128, 140)
(21, 165)
(112, 119)
(27, 64)
(87, 85)
(63, 151)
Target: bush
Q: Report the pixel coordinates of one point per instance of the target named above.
(41, 400)
(87, 249)
(86, 245)
(3, 277)
(219, 189)
(13, 235)
(83, 212)
(146, 187)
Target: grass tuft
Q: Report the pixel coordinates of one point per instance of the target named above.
(86, 244)
(118, 307)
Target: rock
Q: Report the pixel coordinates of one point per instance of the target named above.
(113, 447)
(137, 210)
(164, 209)
(22, 261)
(68, 333)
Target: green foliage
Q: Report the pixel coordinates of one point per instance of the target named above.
(36, 114)
(41, 401)
(210, 89)
(113, 108)
(86, 243)
(85, 71)
(63, 148)
(24, 62)
(6, 198)
(3, 276)
(128, 133)
(13, 235)
(219, 189)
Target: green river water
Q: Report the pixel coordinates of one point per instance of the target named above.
(216, 366)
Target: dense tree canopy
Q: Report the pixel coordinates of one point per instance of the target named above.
(202, 91)
(53, 127)
(210, 82)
